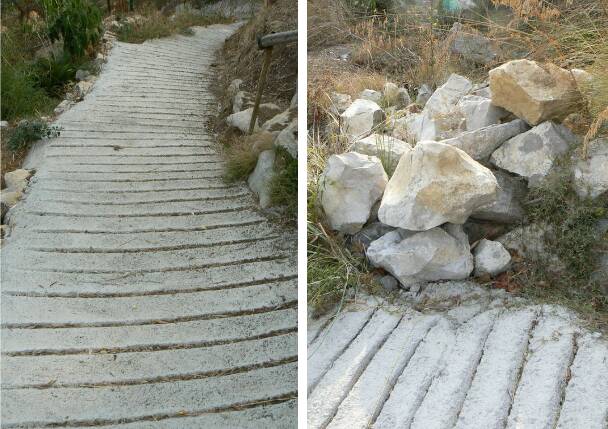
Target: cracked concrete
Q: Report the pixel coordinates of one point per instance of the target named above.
(139, 290)
(456, 356)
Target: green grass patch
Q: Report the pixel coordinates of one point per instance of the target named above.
(284, 186)
(28, 132)
(155, 25)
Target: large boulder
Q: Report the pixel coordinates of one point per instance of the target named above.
(533, 153)
(507, 207)
(491, 258)
(261, 179)
(479, 112)
(414, 258)
(362, 117)
(396, 96)
(387, 148)
(349, 187)
(433, 184)
(481, 143)
(591, 174)
(471, 45)
(534, 92)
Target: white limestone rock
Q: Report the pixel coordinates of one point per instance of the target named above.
(387, 148)
(234, 88)
(433, 184)
(507, 207)
(63, 106)
(396, 96)
(371, 95)
(82, 88)
(288, 139)
(534, 92)
(533, 153)
(339, 102)
(349, 187)
(591, 174)
(361, 117)
(280, 120)
(445, 98)
(17, 180)
(491, 258)
(479, 112)
(481, 143)
(241, 120)
(242, 100)
(418, 257)
(260, 180)
(424, 93)
(10, 198)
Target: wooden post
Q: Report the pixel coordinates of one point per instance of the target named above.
(109, 7)
(261, 85)
(267, 43)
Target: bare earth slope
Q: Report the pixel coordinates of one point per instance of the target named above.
(138, 289)
(460, 357)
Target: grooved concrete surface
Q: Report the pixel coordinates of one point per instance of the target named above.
(138, 289)
(456, 356)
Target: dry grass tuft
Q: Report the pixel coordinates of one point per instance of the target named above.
(242, 153)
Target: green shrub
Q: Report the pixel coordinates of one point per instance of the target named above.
(28, 132)
(284, 186)
(77, 22)
(21, 97)
(53, 73)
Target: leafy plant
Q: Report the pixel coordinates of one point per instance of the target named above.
(77, 22)
(28, 132)
(20, 94)
(53, 73)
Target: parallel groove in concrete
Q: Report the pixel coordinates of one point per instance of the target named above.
(472, 359)
(139, 289)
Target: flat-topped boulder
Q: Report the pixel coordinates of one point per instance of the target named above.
(433, 184)
(349, 187)
(534, 92)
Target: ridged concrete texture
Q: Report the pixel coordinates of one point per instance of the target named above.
(139, 290)
(465, 358)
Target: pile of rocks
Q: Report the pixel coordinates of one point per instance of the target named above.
(459, 168)
(274, 125)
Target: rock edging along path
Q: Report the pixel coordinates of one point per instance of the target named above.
(139, 290)
(458, 357)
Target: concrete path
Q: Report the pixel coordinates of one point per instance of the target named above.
(138, 289)
(456, 356)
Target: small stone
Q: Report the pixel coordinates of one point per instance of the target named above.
(234, 88)
(361, 117)
(433, 184)
(395, 96)
(533, 153)
(17, 180)
(241, 120)
(591, 174)
(83, 75)
(371, 95)
(242, 100)
(534, 92)
(261, 179)
(349, 187)
(82, 89)
(3, 124)
(362, 239)
(491, 258)
(389, 283)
